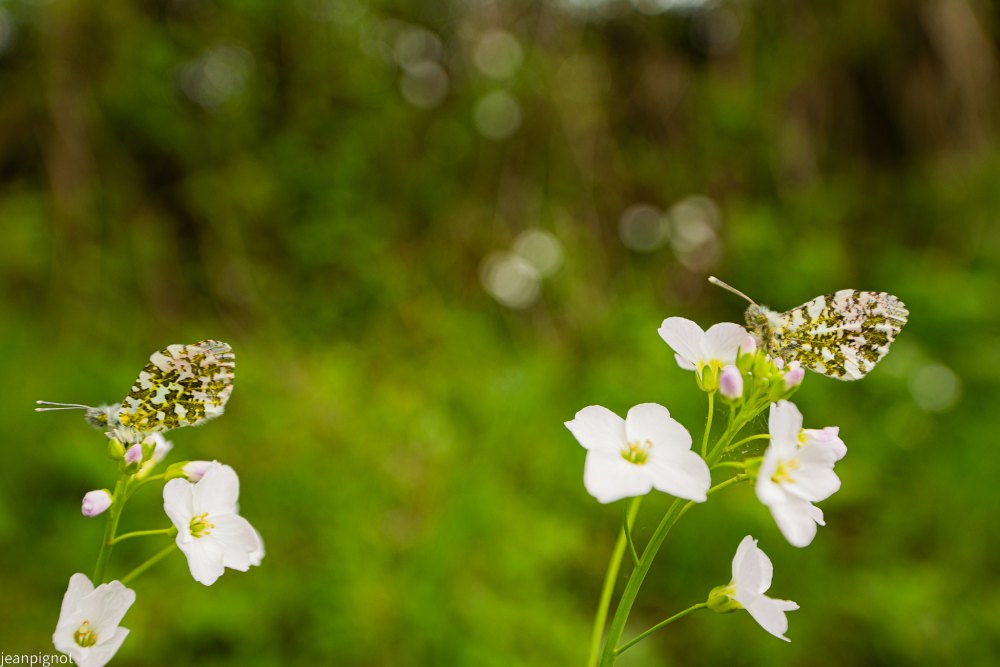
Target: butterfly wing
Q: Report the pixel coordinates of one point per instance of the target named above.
(842, 335)
(181, 385)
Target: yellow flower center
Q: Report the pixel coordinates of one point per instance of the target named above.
(637, 452)
(802, 437)
(200, 525)
(783, 474)
(84, 636)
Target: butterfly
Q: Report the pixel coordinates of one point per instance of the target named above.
(841, 335)
(181, 385)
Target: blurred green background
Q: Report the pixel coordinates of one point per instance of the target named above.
(433, 232)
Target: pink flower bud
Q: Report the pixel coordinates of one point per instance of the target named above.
(731, 382)
(779, 362)
(194, 470)
(133, 454)
(95, 502)
(794, 375)
(749, 345)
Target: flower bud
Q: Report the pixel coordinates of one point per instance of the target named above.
(116, 450)
(194, 470)
(731, 383)
(95, 502)
(794, 375)
(749, 345)
(133, 455)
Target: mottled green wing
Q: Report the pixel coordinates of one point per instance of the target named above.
(182, 385)
(841, 335)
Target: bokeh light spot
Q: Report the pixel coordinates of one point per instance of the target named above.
(541, 249)
(510, 279)
(498, 115)
(498, 54)
(935, 388)
(643, 227)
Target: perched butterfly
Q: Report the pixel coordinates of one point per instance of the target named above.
(182, 385)
(841, 335)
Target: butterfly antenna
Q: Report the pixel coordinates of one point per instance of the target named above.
(60, 406)
(726, 286)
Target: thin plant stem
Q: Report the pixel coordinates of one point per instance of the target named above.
(610, 577)
(627, 529)
(143, 482)
(143, 533)
(708, 424)
(673, 514)
(160, 555)
(738, 465)
(761, 436)
(118, 499)
(629, 644)
(635, 581)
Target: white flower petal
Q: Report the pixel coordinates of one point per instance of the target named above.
(110, 602)
(205, 559)
(237, 539)
(652, 422)
(257, 555)
(683, 474)
(79, 586)
(685, 337)
(101, 653)
(599, 429)
(797, 520)
(684, 363)
(814, 483)
(752, 569)
(828, 439)
(770, 614)
(722, 341)
(218, 490)
(178, 501)
(785, 422)
(769, 492)
(609, 477)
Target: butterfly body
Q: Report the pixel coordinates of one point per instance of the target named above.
(181, 385)
(841, 335)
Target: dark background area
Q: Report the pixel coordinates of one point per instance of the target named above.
(432, 233)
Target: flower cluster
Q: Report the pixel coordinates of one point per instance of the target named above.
(649, 449)
(200, 499)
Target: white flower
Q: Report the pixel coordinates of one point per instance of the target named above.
(209, 531)
(797, 471)
(695, 349)
(646, 450)
(752, 572)
(95, 502)
(88, 629)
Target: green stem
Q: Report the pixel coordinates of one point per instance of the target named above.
(635, 580)
(761, 436)
(148, 564)
(738, 465)
(708, 424)
(626, 646)
(142, 533)
(141, 483)
(118, 499)
(610, 578)
(627, 529)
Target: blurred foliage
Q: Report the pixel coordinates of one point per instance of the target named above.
(323, 184)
